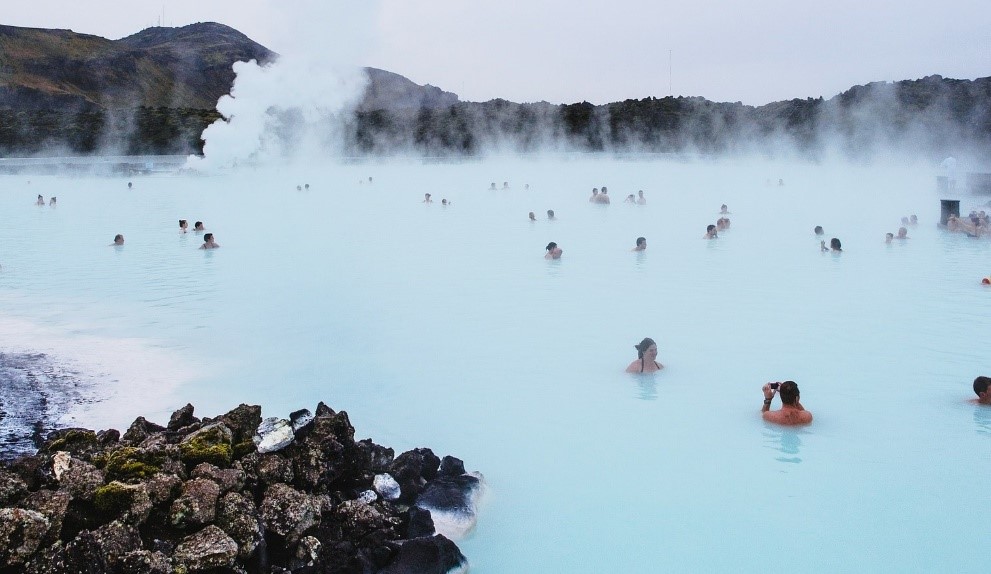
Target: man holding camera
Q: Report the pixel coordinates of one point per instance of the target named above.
(792, 412)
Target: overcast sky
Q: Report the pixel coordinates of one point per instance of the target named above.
(563, 52)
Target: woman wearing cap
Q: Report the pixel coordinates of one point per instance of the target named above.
(647, 358)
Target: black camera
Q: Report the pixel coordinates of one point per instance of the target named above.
(774, 385)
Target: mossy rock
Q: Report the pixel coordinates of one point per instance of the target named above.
(115, 498)
(75, 440)
(210, 444)
(131, 464)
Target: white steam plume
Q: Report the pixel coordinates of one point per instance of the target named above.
(294, 107)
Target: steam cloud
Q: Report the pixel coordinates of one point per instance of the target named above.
(295, 107)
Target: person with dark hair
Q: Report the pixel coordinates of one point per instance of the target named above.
(834, 245)
(52, 201)
(710, 232)
(792, 412)
(723, 209)
(41, 200)
(550, 214)
(888, 237)
(646, 358)
(118, 240)
(198, 227)
(603, 196)
(553, 251)
(641, 200)
(532, 217)
(982, 391)
(208, 242)
(641, 244)
(818, 230)
(595, 195)
(183, 225)
(630, 199)
(426, 198)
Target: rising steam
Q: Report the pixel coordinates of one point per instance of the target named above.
(295, 107)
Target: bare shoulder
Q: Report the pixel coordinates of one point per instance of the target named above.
(788, 417)
(634, 367)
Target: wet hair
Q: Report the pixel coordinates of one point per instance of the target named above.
(182, 222)
(207, 237)
(981, 385)
(643, 346)
(789, 392)
(118, 236)
(834, 243)
(818, 230)
(709, 227)
(550, 213)
(641, 240)
(198, 224)
(551, 245)
(531, 215)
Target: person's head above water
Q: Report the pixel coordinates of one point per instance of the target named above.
(553, 251)
(641, 243)
(551, 246)
(788, 391)
(644, 345)
(198, 226)
(902, 233)
(118, 239)
(818, 230)
(888, 237)
(981, 385)
(550, 214)
(533, 217)
(835, 244)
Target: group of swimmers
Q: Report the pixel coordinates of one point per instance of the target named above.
(444, 202)
(208, 240)
(602, 197)
(505, 186)
(41, 201)
(977, 224)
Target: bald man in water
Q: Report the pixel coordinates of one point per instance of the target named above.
(792, 412)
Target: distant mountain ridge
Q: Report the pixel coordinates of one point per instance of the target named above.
(186, 67)
(155, 92)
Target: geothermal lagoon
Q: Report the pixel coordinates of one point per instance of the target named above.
(445, 327)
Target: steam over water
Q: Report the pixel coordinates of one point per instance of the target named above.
(446, 328)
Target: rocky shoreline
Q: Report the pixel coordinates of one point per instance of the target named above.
(233, 494)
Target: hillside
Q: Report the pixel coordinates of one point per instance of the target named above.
(155, 91)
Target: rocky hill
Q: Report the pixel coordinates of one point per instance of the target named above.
(155, 91)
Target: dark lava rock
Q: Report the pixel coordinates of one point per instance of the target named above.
(198, 497)
(412, 470)
(182, 418)
(434, 555)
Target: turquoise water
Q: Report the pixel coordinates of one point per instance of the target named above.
(446, 328)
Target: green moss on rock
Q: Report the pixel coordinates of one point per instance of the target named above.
(130, 464)
(73, 440)
(210, 444)
(114, 498)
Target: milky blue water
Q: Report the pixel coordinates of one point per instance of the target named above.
(446, 328)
